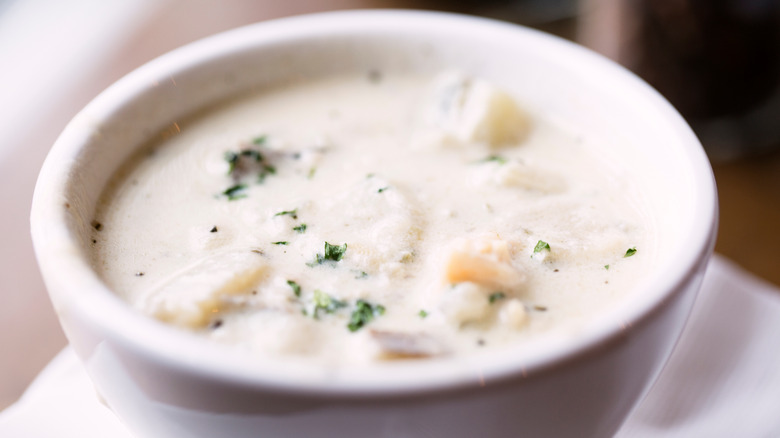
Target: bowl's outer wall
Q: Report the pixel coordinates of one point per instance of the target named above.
(590, 399)
(587, 394)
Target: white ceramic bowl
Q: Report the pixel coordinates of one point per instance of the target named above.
(165, 383)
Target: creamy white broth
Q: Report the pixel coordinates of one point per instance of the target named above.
(441, 212)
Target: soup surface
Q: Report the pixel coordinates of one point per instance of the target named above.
(374, 217)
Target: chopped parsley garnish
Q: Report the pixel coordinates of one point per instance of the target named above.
(232, 159)
(382, 189)
(260, 140)
(295, 287)
(541, 246)
(363, 314)
(291, 213)
(495, 159)
(630, 252)
(422, 314)
(312, 171)
(281, 242)
(495, 296)
(334, 252)
(326, 303)
(235, 192)
(300, 228)
(361, 274)
(264, 172)
(247, 161)
(606, 267)
(253, 154)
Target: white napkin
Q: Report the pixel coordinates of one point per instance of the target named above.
(723, 379)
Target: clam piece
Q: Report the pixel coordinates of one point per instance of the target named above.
(398, 345)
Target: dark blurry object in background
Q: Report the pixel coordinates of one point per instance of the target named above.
(717, 61)
(714, 58)
(553, 16)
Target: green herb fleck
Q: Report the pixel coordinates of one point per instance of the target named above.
(630, 252)
(295, 287)
(334, 252)
(232, 160)
(363, 314)
(312, 171)
(300, 228)
(606, 267)
(382, 189)
(235, 192)
(326, 303)
(423, 314)
(281, 242)
(260, 140)
(495, 296)
(541, 246)
(361, 274)
(253, 154)
(264, 172)
(291, 213)
(494, 158)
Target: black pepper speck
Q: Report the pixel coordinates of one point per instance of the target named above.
(374, 76)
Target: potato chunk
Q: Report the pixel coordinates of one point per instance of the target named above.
(472, 110)
(465, 303)
(192, 295)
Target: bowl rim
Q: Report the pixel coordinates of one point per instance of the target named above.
(103, 309)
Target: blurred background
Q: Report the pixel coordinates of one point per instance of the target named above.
(717, 61)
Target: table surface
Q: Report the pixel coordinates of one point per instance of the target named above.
(29, 334)
(749, 194)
